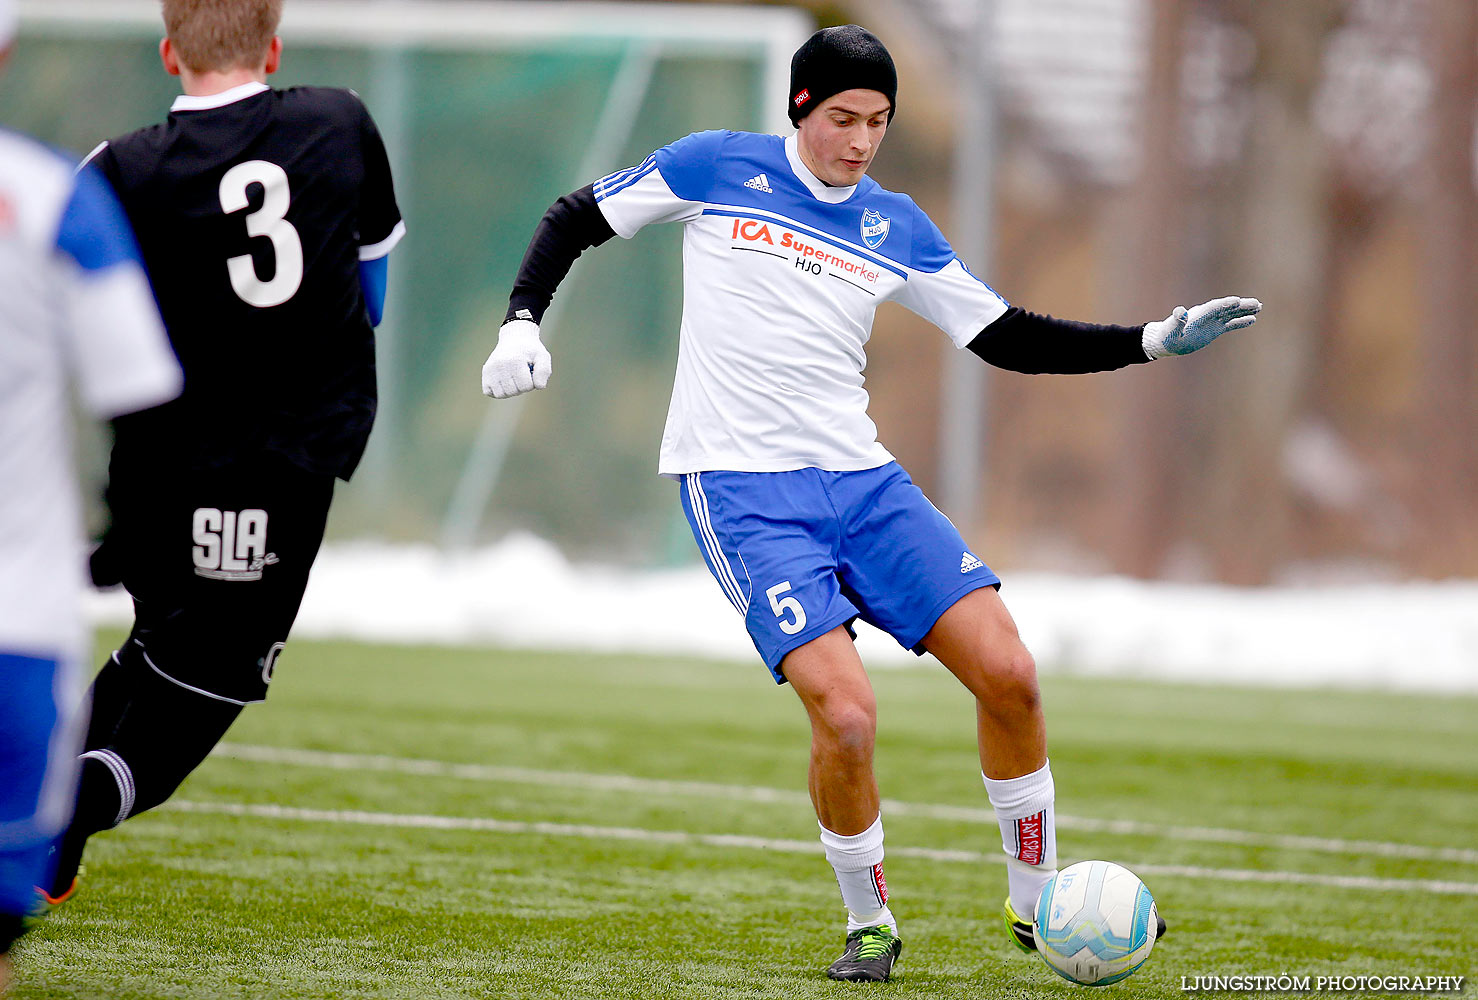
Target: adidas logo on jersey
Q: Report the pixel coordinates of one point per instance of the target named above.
(970, 562)
(760, 183)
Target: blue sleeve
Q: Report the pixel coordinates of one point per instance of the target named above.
(930, 251)
(94, 230)
(374, 276)
(687, 165)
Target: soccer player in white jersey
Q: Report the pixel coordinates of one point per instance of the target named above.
(805, 520)
(75, 307)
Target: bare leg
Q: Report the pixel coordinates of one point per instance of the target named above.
(977, 640)
(828, 676)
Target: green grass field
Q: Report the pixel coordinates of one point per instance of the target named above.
(334, 849)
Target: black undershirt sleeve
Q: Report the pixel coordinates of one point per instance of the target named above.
(572, 225)
(1033, 344)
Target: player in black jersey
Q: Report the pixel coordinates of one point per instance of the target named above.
(265, 218)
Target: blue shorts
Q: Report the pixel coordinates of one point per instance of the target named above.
(799, 553)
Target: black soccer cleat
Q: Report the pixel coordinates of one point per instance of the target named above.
(1025, 938)
(870, 955)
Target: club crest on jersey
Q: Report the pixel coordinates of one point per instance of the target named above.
(874, 229)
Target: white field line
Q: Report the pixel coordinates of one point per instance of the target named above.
(753, 793)
(684, 837)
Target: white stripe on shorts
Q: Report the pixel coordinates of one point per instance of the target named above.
(721, 568)
(59, 782)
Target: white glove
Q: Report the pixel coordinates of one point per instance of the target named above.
(518, 364)
(1184, 331)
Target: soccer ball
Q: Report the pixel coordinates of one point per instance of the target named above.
(1095, 923)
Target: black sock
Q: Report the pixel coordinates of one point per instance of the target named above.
(98, 804)
(98, 796)
(145, 737)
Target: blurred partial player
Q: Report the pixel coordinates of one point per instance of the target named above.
(75, 314)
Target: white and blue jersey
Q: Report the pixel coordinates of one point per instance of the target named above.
(781, 277)
(75, 310)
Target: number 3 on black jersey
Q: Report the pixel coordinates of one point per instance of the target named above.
(269, 221)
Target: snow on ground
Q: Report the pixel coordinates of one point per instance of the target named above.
(523, 593)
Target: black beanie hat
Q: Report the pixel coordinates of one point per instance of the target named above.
(832, 60)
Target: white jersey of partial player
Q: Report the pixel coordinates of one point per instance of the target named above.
(75, 308)
(781, 277)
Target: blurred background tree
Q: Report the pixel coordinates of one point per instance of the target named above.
(1318, 155)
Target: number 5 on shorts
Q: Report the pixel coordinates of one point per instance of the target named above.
(782, 605)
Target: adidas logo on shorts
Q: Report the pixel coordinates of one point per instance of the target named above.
(970, 562)
(760, 183)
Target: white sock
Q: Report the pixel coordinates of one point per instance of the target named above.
(1024, 809)
(858, 863)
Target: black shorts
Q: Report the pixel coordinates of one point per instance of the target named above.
(216, 561)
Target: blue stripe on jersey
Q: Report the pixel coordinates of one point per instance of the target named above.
(94, 231)
(814, 233)
(978, 278)
(625, 183)
(624, 172)
(621, 175)
(623, 179)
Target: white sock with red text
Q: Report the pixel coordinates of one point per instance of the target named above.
(1024, 809)
(858, 863)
